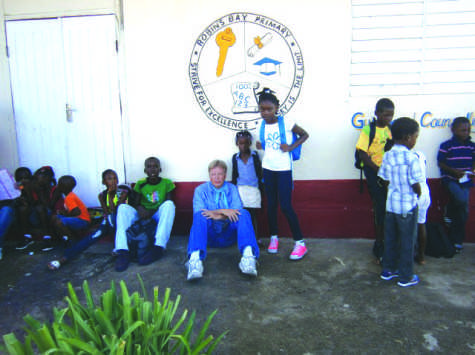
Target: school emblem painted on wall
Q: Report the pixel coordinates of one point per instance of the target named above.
(234, 58)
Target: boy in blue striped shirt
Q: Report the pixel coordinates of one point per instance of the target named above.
(401, 171)
(456, 159)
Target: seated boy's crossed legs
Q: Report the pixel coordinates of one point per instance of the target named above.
(126, 216)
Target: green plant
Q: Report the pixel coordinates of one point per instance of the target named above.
(121, 324)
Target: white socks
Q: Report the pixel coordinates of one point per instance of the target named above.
(195, 255)
(300, 242)
(247, 251)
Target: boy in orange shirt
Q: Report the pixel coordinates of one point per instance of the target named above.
(76, 215)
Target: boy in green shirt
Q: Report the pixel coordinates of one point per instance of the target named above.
(156, 202)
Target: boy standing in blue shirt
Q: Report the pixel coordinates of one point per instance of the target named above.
(402, 173)
(457, 163)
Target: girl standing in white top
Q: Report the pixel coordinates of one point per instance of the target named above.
(277, 170)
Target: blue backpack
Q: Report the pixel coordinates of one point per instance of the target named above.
(295, 154)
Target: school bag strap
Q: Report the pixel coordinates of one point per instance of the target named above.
(358, 162)
(262, 134)
(283, 138)
(235, 172)
(258, 168)
(296, 152)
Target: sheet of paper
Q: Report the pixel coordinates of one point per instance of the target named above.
(464, 178)
(7, 186)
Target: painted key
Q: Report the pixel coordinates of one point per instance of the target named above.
(224, 40)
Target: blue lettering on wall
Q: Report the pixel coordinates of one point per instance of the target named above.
(426, 120)
(358, 120)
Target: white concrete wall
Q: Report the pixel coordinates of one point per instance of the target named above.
(166, 120)
(158, 41)
(162, 117)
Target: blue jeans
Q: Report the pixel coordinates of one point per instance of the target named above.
(7, 216)
(75, 223)
(278, 186)
(400, 232)
(457, 209)
(105, 228)
(216, 234)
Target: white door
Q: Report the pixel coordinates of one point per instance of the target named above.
(64, 77)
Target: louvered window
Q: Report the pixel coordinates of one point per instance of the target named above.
(411, 47)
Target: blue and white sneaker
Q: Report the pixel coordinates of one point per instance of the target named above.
(411, 282)
(389, 275)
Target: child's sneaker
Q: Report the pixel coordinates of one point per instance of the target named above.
(273, 247)
(248, 265)
(25, 243)
(123, 260)
(47, 243)
(195, 269)
(411, 282)
(152, 254)
(458, 248)
(299, 251)
(389, 275)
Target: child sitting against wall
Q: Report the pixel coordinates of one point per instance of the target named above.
(401, 171)
(47, 200)
(247, 176)
(456, 159)
(113, 196)
(155, 194)
(25, 205)
(10, 206)
(74, 218)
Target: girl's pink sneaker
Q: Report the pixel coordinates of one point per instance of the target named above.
(273, 247)
(298, 252)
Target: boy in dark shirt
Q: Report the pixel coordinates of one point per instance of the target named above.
(456, 159)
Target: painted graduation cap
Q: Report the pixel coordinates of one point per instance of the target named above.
(268, 66)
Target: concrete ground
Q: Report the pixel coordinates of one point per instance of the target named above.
(331, 302)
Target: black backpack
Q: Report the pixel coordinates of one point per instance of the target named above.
(140, 236)
(438, 243)
(358, 162)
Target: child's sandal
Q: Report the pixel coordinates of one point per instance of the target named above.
(54, 265)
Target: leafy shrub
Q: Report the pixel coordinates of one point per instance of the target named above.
(121, 324)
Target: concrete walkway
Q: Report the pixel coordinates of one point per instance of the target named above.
(331, 302)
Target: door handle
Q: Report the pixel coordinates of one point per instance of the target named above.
(69, 113)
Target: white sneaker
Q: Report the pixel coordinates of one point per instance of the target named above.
(248, 265)
(195, 269)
